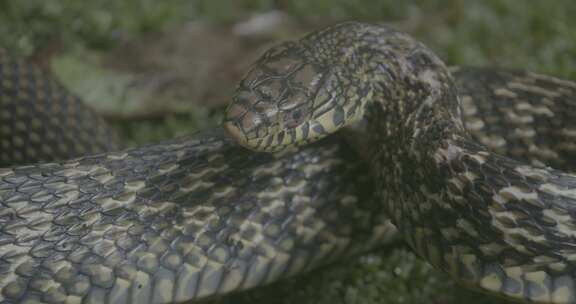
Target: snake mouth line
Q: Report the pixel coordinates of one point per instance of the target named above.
(234, 131)
(301, 134)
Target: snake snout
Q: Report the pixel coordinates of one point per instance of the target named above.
(242, 125)
(249, 119)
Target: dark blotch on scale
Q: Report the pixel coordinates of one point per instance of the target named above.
(319, 129)
(338, 117)
(305, 129)
(511, 286)
(280, 137)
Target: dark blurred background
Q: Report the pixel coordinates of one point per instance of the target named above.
(159, 69)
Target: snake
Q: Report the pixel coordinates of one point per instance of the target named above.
(493, 222)
(84, 221)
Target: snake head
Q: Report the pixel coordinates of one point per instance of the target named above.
(275, 104)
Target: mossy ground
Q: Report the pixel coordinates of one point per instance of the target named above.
(537, 35)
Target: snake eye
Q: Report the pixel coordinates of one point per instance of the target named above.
(294, 118)
(296, 115)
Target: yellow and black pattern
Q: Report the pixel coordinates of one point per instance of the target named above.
(538, 111)
(180, 220)
(459, 167)
(194, 217)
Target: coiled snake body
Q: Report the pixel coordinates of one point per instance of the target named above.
(490, 221)
(194, 217)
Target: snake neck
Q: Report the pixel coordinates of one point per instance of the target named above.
(403, 89)
(487, 220)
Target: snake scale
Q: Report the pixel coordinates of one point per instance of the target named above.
(493, 222)
(200, 216)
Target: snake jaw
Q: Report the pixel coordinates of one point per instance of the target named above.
(235, 132)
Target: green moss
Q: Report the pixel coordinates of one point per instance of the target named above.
(511, 33)
(29, 25)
